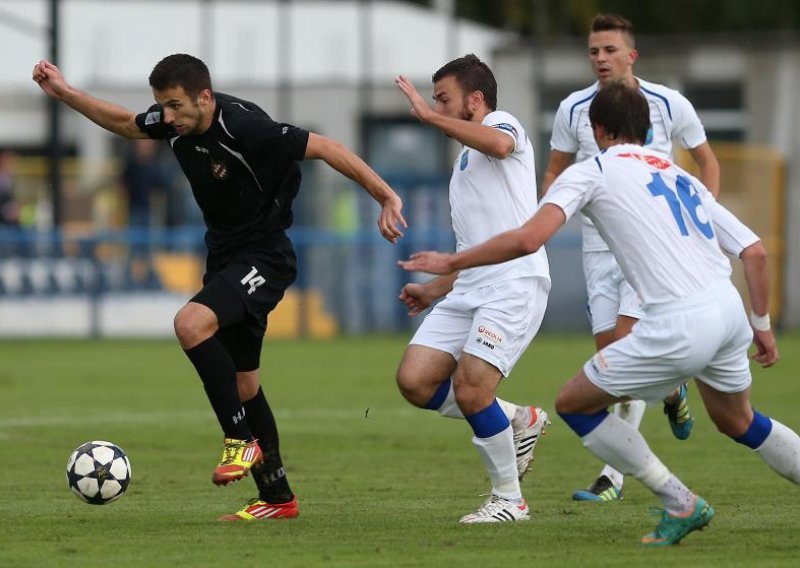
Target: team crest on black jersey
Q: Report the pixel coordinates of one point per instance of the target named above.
(219, 169)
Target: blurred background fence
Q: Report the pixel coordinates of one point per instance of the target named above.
(80, 280)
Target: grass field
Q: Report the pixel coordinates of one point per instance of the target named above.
(380, 483)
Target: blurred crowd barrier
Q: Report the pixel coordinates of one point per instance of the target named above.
(97, 276)
(131, 283)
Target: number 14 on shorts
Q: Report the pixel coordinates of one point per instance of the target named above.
(253, 279)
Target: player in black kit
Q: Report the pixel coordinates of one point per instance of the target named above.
(244, 173)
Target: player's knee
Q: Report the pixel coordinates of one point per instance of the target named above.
(732, 426)
(190, 329)
(471, 398)
(565, 403)
(183, 328)
(409, 385)
(247, 387)
(246, 393)
(732, 422)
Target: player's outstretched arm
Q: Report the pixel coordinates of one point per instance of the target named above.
(506, 246)
(484, 139)
(345, 162)
(756, 274)
(110, 116)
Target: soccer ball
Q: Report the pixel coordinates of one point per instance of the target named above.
(98, 472)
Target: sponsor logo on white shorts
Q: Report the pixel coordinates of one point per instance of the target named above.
(490, 334)
(488, 337)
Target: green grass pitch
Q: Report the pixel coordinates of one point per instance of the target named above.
(379, 483)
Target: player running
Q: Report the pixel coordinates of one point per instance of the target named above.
(244, 173)
(476, 334)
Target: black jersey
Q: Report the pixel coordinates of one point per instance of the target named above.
(243, 171)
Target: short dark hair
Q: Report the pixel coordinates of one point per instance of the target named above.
(181, 70)
(622, 111)
(472, 75)
(613, 22)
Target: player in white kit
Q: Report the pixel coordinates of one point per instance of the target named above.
(475, 335)
(613, 306)
(666, 231)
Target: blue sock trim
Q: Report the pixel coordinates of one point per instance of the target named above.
(439, 396)
(583, 424)
(489, 421)
(758, 431)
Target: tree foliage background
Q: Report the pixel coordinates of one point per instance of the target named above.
(549, 18)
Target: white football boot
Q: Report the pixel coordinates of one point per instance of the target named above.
(498, 510)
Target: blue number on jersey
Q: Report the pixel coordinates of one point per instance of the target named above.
(687, 195)
(464, 159)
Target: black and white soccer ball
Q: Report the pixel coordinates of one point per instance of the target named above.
(98, 472)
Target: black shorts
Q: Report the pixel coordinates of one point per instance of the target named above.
(242, 293)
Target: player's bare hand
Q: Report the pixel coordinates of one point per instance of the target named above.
(50, 79)
(766, 348)
(416, 297)
(429, 261)
(419, 106)
(392, 219)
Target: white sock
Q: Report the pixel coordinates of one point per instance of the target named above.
(449, 408)
(616, 477)
(497, 453)
(631, 412)
(619, 444)
(509, 409)
(781, 451)
(677, 498)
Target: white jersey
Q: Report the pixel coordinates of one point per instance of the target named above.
(489, 196)
(663, 226)
(672, 117)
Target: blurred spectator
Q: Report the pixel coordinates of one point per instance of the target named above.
(142, 179)
(144, 183)
(9, 207)
(180, 208)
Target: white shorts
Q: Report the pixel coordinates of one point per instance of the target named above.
(495, 323)
(706, 336)
(609, 293)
